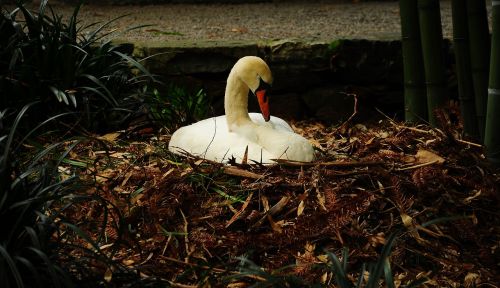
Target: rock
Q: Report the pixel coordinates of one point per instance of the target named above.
(329, 104)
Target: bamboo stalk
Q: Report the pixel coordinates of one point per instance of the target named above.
(479, 47)
(492, 132)
(414, 79)
(463, 68)
(432, 48)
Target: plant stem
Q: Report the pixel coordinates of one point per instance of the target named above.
(432, 42)
(415, 98)
(479, 45)
(463, 68)
(492, 132)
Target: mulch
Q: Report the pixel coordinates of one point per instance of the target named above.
(189, 221)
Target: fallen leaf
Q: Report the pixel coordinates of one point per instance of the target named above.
(110, 137)
(108, 275)
(128, 262)
(240, 30)
(424, 156)
(472, 279)
(300, 209)
(276, 226)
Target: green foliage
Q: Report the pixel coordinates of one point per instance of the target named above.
(34, 197)
(46, 59)
(335, 46)
(177, 107)
(26, 191)
(250, 270)
(376, 270)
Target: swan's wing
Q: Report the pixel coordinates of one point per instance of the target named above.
(274, 123)
(211, 140)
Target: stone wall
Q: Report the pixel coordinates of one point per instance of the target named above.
(311, 80)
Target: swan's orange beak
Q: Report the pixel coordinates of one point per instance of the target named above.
(263, 103)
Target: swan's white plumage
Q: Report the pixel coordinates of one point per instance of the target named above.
(221, 138)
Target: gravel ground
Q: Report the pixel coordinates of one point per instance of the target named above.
(256, 22)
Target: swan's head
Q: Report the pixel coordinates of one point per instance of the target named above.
(255, 73)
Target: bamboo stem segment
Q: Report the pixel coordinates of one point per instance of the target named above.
(432, 42)
(463, 67)
(479, 40)
(492, 132)
(414, 79)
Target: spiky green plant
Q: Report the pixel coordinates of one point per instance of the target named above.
(34, 196)
(53, 61)
(249, 270)
(377, 270)
(177, 106)
(26, 189)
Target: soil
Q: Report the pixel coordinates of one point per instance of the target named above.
(323, 21)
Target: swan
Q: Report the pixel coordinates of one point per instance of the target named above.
(224, 137)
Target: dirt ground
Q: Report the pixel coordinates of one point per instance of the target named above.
(318, 21)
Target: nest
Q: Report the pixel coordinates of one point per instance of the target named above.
(190, 221)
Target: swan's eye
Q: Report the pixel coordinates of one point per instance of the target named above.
(263, 85)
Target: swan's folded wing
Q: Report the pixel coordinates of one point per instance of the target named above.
(211, 140)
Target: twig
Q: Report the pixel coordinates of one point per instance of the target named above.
(275, 209)
(242, 173)
(329, 164)
(355, 111)
(238, 214)
(417, 166)
(429, 132)
(186, 237)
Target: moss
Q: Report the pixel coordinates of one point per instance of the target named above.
(335, 45)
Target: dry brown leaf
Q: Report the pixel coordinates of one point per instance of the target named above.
(108, 275)
(110, 137)
(470, 198)
(237, 215)
(238, 285)
(324, 278)
(424, 156)
(472, 280)
(407, 220)
(369, 141)
(240, 30)
(241, 173)
(128, 262)
(265, 203)
(300, 209)
(321, 200)
(276, 226)
(377, 239)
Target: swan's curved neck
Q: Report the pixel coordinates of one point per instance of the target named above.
(236, 102)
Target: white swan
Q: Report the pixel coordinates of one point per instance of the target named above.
(221, 138)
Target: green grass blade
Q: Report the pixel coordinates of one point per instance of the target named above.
(135, 63)
(389, 279)
(4, 254)
(379, 266)
(444, 219)
(340, 273)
